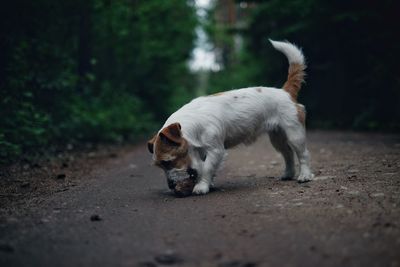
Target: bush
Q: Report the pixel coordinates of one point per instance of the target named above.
(93, 70)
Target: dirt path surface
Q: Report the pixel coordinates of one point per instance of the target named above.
(122, 214)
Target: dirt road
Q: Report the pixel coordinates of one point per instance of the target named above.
(121, 213)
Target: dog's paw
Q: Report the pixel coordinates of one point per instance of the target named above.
(201, 188)
(305, 177)
(287, 176)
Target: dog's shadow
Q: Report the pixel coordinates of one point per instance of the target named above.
(230, 187)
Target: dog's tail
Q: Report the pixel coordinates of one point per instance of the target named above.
(297, 66)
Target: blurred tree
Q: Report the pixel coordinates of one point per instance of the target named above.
(90, 70)
(352, 52)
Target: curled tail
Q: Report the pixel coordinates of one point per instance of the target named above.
(296, 67)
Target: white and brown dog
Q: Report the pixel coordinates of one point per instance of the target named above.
(193, 140)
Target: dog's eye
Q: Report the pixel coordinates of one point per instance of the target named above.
(167, 164)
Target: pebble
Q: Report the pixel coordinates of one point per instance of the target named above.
(61, 176)
(236, 263)
(6, 248)
(44, 220)
(318, 178)
(354, 192)
(168, 258)
(95, 217)
(353, 171)
(147, 264)
(377, 195)
(25, 184)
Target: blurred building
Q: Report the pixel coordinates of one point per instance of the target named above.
(231, 20)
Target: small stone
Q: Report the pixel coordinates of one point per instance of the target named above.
(61, 176)
(354, 192)
(388, 224)
(64, 165)
(233, 263)
(25, 184)
(147, 264)
(95, 218)
(378, 194)
(36, 165)
(217, 255)
(318, 178)
(168, 258)
(6, 248)
(44, 220)
(353, 171)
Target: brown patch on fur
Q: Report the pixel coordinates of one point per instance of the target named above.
(170, 147)
(295, 79)
(258, 89)
(301, 114)
(218, 94)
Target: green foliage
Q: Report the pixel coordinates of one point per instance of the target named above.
(94, 70)
(241, 74)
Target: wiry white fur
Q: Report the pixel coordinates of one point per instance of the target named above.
(291, 51)
(214, 123)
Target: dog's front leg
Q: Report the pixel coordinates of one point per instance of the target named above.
(211, 164)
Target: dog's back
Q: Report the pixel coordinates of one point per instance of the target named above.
(238, 116)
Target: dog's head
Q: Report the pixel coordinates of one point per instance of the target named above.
(171, 153)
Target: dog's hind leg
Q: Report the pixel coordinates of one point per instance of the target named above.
(296, 137)
(279, 142)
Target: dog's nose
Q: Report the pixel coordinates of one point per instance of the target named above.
(171, 184)
(192, 173)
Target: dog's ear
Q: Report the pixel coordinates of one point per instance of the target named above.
(172, 134)
(150, 144)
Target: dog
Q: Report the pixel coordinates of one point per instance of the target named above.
(194, 139)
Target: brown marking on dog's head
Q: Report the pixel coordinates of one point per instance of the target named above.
(301, 114)
(170, 148)
(258, 89)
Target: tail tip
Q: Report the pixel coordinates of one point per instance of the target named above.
(293, 53)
